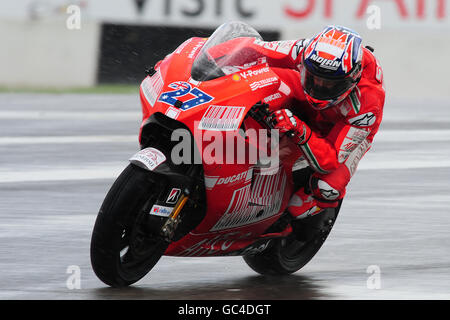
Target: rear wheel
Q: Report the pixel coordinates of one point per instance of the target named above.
(122, 248)
(290, 254)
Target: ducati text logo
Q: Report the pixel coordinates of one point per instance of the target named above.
(272, 97)
(245, 176)
(173, 196)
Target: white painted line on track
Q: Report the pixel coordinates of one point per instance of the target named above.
(382, 136)
(402, 164)
(112, 171)
(412, 135)
(67, 139)
(63, 174)
(71, 115)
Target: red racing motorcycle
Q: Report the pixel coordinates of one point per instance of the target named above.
(182, 198)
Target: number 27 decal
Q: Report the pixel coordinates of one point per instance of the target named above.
(182, 89)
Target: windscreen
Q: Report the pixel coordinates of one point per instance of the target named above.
(229, 51)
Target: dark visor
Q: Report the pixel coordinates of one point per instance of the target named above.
(322, 88)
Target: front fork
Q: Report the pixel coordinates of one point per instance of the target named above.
(169, 227)
(177, 205)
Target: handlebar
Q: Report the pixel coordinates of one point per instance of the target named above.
(260, 112)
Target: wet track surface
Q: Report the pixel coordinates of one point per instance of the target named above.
(59, 155)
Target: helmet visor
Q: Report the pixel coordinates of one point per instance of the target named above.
(324, 88)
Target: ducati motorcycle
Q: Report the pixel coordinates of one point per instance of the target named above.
(159, 206)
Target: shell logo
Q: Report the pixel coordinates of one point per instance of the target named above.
(236, 77)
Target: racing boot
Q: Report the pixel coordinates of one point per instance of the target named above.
(308, 222)
(303, 205)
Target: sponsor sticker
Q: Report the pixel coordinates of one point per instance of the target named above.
(272, 97)
(236, 77)
(195, 49)
(283, 47)
(161, 211)
(353, 139)
(327, 191)
(152, 87)
(222, 118)
(173, 196)
(255, 72)
(231, 69)
(297, 49)
(345, 108)
(263, 83)
(326, 63)
(356, 156)
(148, 158)
(245, 177)
(363, 120)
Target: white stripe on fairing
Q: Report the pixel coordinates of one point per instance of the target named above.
(68, 139)
(67, 115)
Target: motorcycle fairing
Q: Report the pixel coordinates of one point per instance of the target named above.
(246, 202)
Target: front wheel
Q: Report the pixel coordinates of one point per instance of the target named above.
(122, 249)
(290, 254)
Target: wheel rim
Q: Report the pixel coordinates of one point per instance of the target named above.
(137, 247)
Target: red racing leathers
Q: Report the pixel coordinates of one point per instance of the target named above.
(340, 135)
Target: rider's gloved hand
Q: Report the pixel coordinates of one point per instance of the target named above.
(295, 128)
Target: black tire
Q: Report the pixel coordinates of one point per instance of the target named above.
(290, 254)
(122, 251)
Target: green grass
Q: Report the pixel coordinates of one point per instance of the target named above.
(100, 89)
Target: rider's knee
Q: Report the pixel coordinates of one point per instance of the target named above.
(326, 191)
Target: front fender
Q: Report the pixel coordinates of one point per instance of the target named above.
(155, 157)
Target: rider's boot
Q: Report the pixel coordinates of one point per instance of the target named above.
(303, 205)
(306, 210)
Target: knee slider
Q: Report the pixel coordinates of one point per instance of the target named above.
(322, 191)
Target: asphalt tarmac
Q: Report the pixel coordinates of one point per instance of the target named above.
(59, 155)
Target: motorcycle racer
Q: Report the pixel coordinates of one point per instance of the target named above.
(337, 92)
(325, 94)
